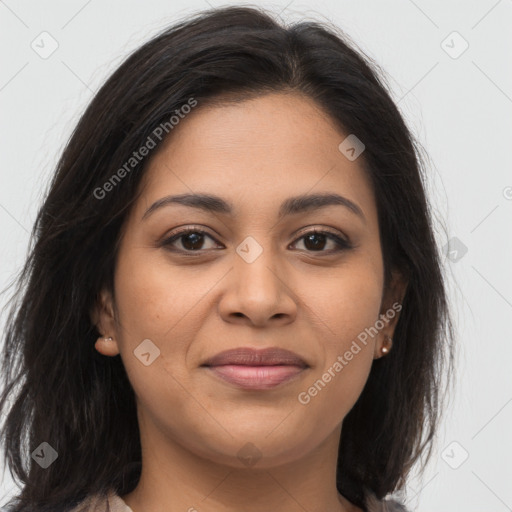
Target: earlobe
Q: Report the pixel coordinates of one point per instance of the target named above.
(383, 349)
(102, 316)
(107, 346)
(390, 312)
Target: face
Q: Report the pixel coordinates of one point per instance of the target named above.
(249, 274)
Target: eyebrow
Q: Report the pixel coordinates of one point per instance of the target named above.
(291, 206)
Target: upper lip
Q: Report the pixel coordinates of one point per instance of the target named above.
(272, 356)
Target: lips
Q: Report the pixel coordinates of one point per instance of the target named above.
(248, 368)
(252, 357)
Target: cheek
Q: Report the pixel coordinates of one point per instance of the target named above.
(348, 307)
(348, 349)
(153, 297)
(152, 307)
(348, 301)
(163, 304)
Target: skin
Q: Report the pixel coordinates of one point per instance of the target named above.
(254, 154)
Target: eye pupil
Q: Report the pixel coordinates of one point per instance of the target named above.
(194, 238)
(315, 245)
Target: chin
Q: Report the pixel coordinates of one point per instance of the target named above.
(256, 447)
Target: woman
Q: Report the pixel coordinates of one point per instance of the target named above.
(234, 298)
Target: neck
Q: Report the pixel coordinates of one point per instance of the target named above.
(174, 479)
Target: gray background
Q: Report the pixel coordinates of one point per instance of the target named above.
(458, 104)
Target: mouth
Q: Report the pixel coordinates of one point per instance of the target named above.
(256, 369)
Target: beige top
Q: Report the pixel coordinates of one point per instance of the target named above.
(114, 503)
(96, 503)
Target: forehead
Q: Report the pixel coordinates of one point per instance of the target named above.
(257, 152)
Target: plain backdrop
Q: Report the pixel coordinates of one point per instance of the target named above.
(448, 64)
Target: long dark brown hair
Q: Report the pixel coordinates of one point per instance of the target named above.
(58, 389)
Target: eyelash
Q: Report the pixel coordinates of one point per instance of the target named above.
(341, 243)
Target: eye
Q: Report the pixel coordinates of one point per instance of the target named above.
(192, 240)
(315, 240)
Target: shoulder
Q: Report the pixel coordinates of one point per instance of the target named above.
(93, 503)
(110, 502)
(375, 505)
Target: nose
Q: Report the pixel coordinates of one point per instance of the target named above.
(258, 293)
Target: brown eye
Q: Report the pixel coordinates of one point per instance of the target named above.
(316, 241)
(191, 240)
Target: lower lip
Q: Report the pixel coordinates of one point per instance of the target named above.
(256, 377)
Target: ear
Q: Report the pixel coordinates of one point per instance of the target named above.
(391, 306)
(103, 317)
